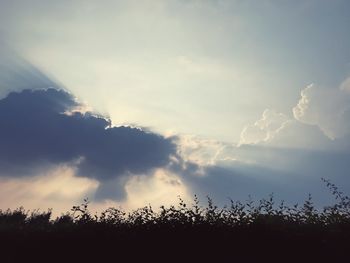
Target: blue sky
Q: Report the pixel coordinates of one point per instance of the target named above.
(254, 95)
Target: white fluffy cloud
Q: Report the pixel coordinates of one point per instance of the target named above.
(277, 130)
(329, 109)
(320, 114)
(265, 129)
(198, 150)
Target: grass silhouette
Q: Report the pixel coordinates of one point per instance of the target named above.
(249, 230)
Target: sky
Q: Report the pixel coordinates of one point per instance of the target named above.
(138, 102)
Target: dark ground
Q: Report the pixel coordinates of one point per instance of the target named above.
(193, 244)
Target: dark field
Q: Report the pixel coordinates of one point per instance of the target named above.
(240, 232)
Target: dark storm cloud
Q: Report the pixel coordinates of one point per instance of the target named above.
(298, 173)
(35, 131)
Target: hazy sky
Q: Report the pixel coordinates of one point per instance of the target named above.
(255, 94)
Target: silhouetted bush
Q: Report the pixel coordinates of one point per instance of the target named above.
(243, 226)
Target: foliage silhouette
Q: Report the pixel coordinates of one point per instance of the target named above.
(264, 227)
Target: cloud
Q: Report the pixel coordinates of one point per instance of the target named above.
(276, 129)
(288, 173)
(44, 129)
(162, 188)
(282, 154)
(329, 109)
(319, 109)
(238, 182)
(264, 129)
(57, 188)
(277, 153)
(37, 132)
(345, 86)
(294, 134)
(260, 169)
(194, 149)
